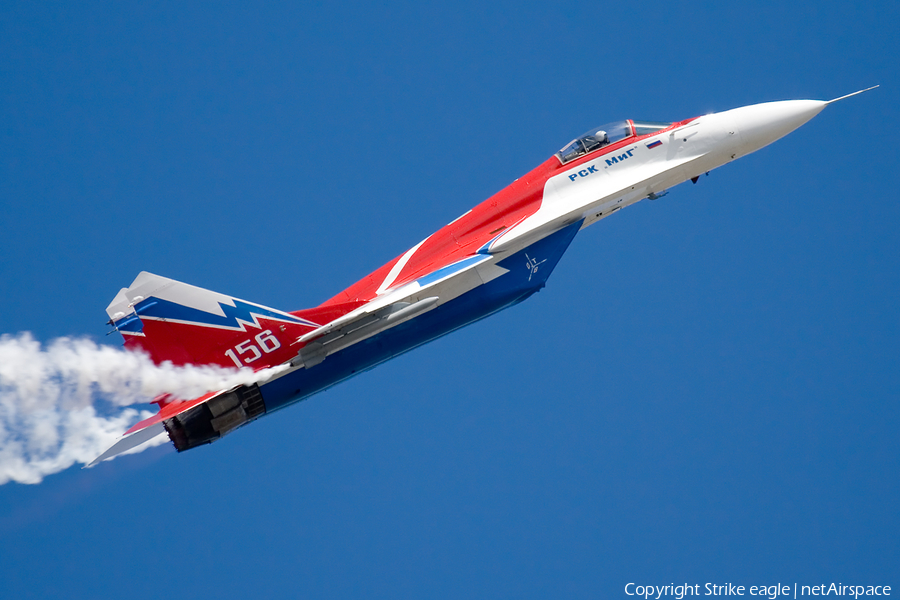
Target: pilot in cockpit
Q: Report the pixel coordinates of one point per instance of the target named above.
(592, 142)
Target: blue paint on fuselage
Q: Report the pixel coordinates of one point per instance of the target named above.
(521, 281)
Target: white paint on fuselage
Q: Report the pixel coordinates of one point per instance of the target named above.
(597, 188)
(592, 190)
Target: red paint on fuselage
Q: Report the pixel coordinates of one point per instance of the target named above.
(183, 343)
(470, 232)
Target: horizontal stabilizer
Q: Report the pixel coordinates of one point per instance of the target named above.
(129, 441)
(192, 423)
(153, 426)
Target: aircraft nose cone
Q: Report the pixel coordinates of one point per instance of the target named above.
(762, 124)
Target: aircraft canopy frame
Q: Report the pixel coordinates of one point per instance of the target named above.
(598, 137)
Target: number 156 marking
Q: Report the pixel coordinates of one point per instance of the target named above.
(265, 340)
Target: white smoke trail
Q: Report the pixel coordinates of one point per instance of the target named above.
(64, 403)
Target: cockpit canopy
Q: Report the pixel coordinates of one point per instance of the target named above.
(606, 134)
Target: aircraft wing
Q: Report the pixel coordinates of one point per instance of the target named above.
(395, 306)
(212, 415)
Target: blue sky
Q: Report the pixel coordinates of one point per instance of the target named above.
(706, 391)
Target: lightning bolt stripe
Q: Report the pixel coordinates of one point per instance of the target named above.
(234, 317)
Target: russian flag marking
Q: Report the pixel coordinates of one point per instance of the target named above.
(654, 144)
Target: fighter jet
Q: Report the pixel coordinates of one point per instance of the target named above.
(494, 256)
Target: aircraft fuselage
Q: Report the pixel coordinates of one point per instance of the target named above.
(516, 237)
(493, 256)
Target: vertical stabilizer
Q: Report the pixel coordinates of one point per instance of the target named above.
(182, 323)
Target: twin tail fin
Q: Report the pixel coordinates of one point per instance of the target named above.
(184, 324)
